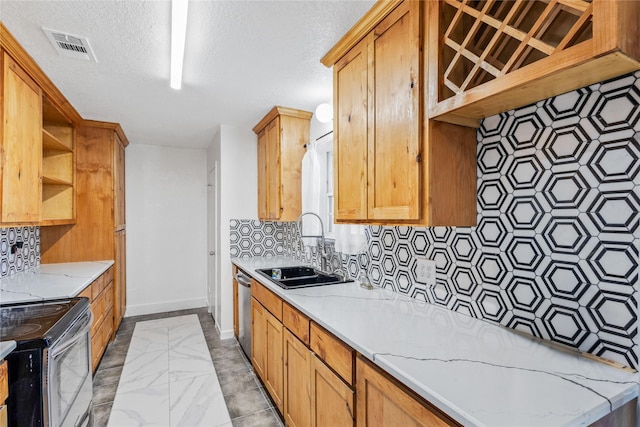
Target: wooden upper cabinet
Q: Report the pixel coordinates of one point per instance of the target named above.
(391, 164)
(118, 183)
(350, 134)
(274, 170)
(282, 134)
(262, 175)
(38, 143)
(489, 57)
(377, 143)
(394, 143)
(21, 145)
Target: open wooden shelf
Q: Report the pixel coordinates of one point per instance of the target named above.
(50, 142)
(58, 167)
(57, 202)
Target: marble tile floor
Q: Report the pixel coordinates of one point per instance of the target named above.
(246, 401)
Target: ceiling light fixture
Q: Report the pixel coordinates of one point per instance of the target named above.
(324, 113)
(179, 10)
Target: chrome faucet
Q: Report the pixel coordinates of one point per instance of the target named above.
(324, 256)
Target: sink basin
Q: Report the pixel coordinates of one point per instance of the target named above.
(300, 277)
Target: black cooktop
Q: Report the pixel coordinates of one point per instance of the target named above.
(40, 324)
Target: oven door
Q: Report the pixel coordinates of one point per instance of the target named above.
(69, 383)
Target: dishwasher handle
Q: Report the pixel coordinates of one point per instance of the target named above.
(243, 279)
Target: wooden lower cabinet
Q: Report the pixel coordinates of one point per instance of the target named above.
(274, 379)
(100, 294)
(4, 392)
(297, 365)
(313, 394)
(120, 282)
(384, 402)
(258, 338)
(317, 380)
(332, 401)
(266, 351)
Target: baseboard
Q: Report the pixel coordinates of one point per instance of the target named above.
(161, 307)
(224, 335)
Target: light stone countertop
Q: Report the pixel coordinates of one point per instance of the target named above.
(51, 281)
(6, 347)
(479, 373)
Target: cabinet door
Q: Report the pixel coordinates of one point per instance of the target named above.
(21, 145)
(332, 401)
(273, 169)
(395, 116)
(382, 403)
(118, 184)
(236, 319)
(262, 176)
(297, 366)
(120, 279)
(274, 380)
(350, 140)
(258, 338)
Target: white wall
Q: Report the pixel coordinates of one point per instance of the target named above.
(235, 149)
(166, 229)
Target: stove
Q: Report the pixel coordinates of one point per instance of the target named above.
(50, 380)
(39, 324)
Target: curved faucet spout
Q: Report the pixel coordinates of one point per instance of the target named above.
(323, 251)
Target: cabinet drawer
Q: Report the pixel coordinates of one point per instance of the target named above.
(383, 401)
(268, 299)
(98, 310)
(107, 328)
(107, 294)
(336, 354)
(102, 282)
(296, 322)
(96, 287)
(4, 382)
(96, 348)
(87, 293)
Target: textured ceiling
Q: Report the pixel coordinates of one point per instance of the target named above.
(241, 59)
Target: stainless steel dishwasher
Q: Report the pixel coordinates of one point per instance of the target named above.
(244, 312)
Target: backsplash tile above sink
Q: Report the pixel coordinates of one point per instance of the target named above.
(30, 254)
(556, 248)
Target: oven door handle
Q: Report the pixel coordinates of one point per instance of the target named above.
(76, 336)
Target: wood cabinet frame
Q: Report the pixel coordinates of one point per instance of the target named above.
(282, 134)
(435, 169)
(612, 51)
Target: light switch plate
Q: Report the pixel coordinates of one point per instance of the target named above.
(426, 271)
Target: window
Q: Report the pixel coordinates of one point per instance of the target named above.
(324, 145)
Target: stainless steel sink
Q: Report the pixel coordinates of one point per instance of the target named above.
(300, 277)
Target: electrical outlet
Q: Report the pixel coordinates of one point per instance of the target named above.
(426, 271)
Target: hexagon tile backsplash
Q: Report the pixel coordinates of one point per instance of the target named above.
(28, 257)
(555, 250)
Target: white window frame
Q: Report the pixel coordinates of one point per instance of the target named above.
(324, 146)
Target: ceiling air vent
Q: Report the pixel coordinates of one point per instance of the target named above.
(70, 45)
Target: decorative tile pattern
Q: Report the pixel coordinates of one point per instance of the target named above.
(556, 249)
(30, 254)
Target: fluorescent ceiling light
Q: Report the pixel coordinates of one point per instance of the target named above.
(178, 35)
